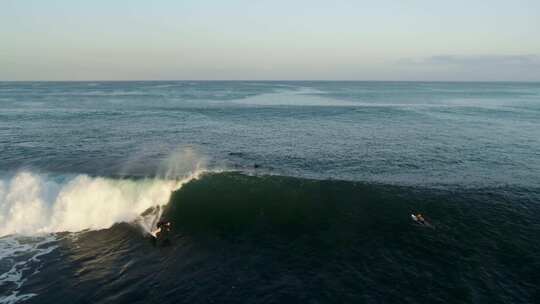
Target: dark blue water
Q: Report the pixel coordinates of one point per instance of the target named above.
(326, 175)
(415, 133)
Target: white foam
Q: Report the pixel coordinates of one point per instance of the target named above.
(14, 297)
(32, 203)
(22, 253)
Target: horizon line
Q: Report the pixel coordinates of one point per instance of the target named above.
(276, 80)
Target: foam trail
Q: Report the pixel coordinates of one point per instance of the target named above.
(32, 203)
(21, 254)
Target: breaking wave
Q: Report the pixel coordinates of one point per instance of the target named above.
(33, 203)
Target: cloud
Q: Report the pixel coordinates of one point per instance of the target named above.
(526, 60)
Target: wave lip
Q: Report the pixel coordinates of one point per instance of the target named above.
(32, 203)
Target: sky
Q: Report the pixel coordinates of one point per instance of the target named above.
(482, 40)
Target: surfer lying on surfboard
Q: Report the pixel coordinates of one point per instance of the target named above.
(418, 218)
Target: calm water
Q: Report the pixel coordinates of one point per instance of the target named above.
(304, 191)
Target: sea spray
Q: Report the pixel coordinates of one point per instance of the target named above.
(180, 161)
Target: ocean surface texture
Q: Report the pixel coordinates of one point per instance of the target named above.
(278, 192)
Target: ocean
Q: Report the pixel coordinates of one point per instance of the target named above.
(277, 192)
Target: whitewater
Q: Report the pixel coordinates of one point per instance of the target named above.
(33, 203)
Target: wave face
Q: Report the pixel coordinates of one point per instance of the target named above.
(32, 203)
(277, 239)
